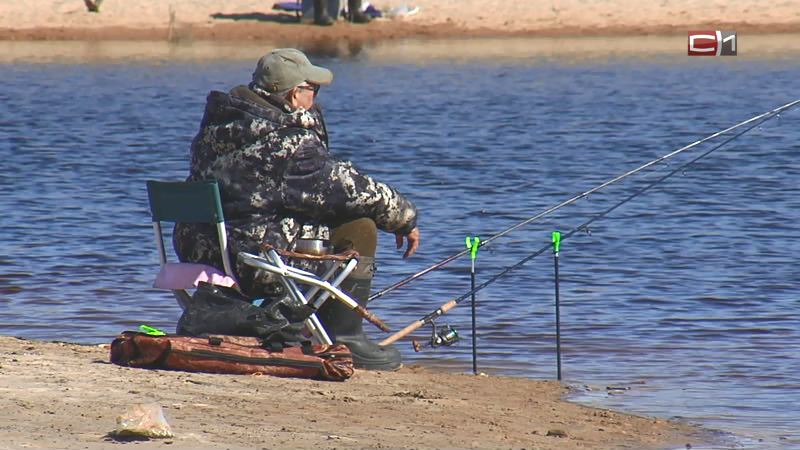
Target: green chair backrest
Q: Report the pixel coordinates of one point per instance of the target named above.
(185, 201)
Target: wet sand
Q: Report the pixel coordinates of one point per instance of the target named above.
(670, 49)
(64, 396)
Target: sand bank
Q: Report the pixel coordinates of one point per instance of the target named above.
(64, 396)
(669, 49)
(251, 19)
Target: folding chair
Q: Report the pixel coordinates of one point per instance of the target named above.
(188, 202)
(199, 202)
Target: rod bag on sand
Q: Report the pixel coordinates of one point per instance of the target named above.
(231, 355)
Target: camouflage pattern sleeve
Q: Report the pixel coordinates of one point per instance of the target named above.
(331, 191)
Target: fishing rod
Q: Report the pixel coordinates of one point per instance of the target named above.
(574, 199)
(582, 227)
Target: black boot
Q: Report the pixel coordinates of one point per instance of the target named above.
(346, 327)
(354, 13)
(321, 16)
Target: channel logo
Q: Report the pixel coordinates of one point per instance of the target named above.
(712, 43)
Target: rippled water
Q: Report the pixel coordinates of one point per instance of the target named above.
(688, 294)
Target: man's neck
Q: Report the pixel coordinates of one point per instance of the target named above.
(273, 99)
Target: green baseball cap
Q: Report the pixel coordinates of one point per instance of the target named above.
(285, 68)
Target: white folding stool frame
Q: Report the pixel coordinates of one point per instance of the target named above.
(288, 275)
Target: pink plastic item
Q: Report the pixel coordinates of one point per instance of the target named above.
(175, 276)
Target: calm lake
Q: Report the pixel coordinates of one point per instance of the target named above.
(687, 296)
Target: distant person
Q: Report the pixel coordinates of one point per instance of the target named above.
(266, 145)
(323, 9)
(92, 5)
(354, 13)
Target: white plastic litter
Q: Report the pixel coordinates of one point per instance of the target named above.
(401, 11)
(143, 420)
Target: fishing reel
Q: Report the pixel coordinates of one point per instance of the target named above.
(446, 336)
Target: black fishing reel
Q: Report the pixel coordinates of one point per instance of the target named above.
(446, 336)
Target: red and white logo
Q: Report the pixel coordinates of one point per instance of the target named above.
(712, 43)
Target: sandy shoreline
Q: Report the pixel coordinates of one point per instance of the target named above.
(243, 29)
(255, 20)
(59, 396)
(296, 33)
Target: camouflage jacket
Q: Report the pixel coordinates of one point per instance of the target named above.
(278, 181)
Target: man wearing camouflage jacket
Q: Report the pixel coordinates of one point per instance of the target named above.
(267, 147)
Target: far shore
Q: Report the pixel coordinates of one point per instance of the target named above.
(249, 20)
(378, 31)
(195, 30)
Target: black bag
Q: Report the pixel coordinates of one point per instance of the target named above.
(221, 310)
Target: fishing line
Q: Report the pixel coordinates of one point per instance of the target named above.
(765, 116)
(582, 227)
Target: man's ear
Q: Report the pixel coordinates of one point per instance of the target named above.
(291, 96)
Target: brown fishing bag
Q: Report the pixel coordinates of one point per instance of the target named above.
(232, 355)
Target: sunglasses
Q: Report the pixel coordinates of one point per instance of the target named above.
(310, 87)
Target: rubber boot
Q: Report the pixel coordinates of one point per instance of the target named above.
(321, 16)
(354, 13)
(346, 327)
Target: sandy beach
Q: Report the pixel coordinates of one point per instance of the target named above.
(252, 20)
(67, 396)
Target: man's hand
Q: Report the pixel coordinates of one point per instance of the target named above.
(413, 242)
